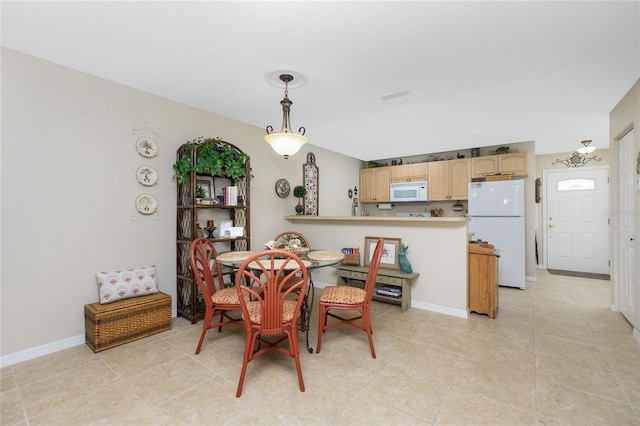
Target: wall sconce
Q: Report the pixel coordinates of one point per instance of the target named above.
(285, 142)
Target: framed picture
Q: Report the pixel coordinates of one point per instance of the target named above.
(389, 252)
(206, 183)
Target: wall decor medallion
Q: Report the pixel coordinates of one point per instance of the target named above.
(283, 188)
(147, 175)
(147, 147)
(576, 159)
(311, 178)
(146, 204)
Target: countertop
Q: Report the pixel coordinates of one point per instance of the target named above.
(387, 219)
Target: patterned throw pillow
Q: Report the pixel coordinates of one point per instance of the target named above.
(120, 285)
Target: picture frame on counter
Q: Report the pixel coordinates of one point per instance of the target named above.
(390, 252)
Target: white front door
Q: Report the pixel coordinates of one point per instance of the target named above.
(628, 284)
(577, 219)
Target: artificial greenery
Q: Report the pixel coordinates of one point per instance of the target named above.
(299, 192)
(503, 149)
(200, 192)
(215, 157)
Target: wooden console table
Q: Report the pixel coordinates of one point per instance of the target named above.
(357, 275)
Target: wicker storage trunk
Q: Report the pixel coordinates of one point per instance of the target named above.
(126, 320)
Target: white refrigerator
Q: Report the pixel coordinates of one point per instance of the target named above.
(496, 211)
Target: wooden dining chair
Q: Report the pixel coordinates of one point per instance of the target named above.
(347, 298)
(217, 298)
(271, 315)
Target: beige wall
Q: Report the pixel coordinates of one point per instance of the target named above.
(545, 162)
(625, 116)
(68, 189)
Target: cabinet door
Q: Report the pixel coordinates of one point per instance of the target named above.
(374, 184)
(383, 180)
(410, 172)
(367, 185)
(418, 171)
(515, 163)
(459, 172)
(438, 180)
(400, 173)
(481, 166)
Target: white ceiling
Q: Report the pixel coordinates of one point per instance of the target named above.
(479, 73)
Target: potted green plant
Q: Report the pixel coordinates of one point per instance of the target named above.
(299, 192)
(199, 194)
(502, 150)
(214, 157)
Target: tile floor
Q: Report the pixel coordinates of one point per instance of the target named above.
(554, 354)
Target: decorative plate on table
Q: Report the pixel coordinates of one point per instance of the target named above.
(147, 147)
(146, 204)
(147, 175)
(234, 256)
(325, 255)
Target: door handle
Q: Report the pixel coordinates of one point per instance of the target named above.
(551, 225)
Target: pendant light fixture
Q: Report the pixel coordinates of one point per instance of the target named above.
(285, 142)
(586, 149)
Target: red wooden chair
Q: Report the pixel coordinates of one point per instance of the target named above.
(271, 315)
(346, 298)
(216, 296)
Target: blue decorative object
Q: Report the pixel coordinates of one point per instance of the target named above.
(405, 266)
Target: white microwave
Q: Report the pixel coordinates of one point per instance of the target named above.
(409, 191)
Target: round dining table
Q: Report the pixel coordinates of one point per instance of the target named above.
(312, 259)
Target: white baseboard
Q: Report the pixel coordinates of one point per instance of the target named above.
(528, 278)
(49, 348)
(460, 313)
(42, 350)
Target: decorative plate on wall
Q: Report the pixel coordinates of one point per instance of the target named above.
(146, 204)
(283, 188)
(147, 147)
(147, 175)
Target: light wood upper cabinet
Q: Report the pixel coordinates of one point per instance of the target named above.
(448, 180)
(515, 163)
(374, 184)
(481, 166)
(410, 172)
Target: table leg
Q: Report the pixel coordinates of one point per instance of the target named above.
(305, 312)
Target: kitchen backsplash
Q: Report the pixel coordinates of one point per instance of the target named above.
(414, 209)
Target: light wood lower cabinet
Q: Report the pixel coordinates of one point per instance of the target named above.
(483, 283)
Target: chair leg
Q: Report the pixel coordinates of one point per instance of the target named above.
(295, 351)
(221, 321)
(247, 356)
(321, 324)
(208, 317)
(366, 318)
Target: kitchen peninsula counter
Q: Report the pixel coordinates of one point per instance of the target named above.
(387, 219)
(437, 251)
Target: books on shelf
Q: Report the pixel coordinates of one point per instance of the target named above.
(230, 195)
(389, 291)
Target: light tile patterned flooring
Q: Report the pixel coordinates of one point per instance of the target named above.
(554, 354)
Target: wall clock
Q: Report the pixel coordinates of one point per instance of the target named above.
(283, 188)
